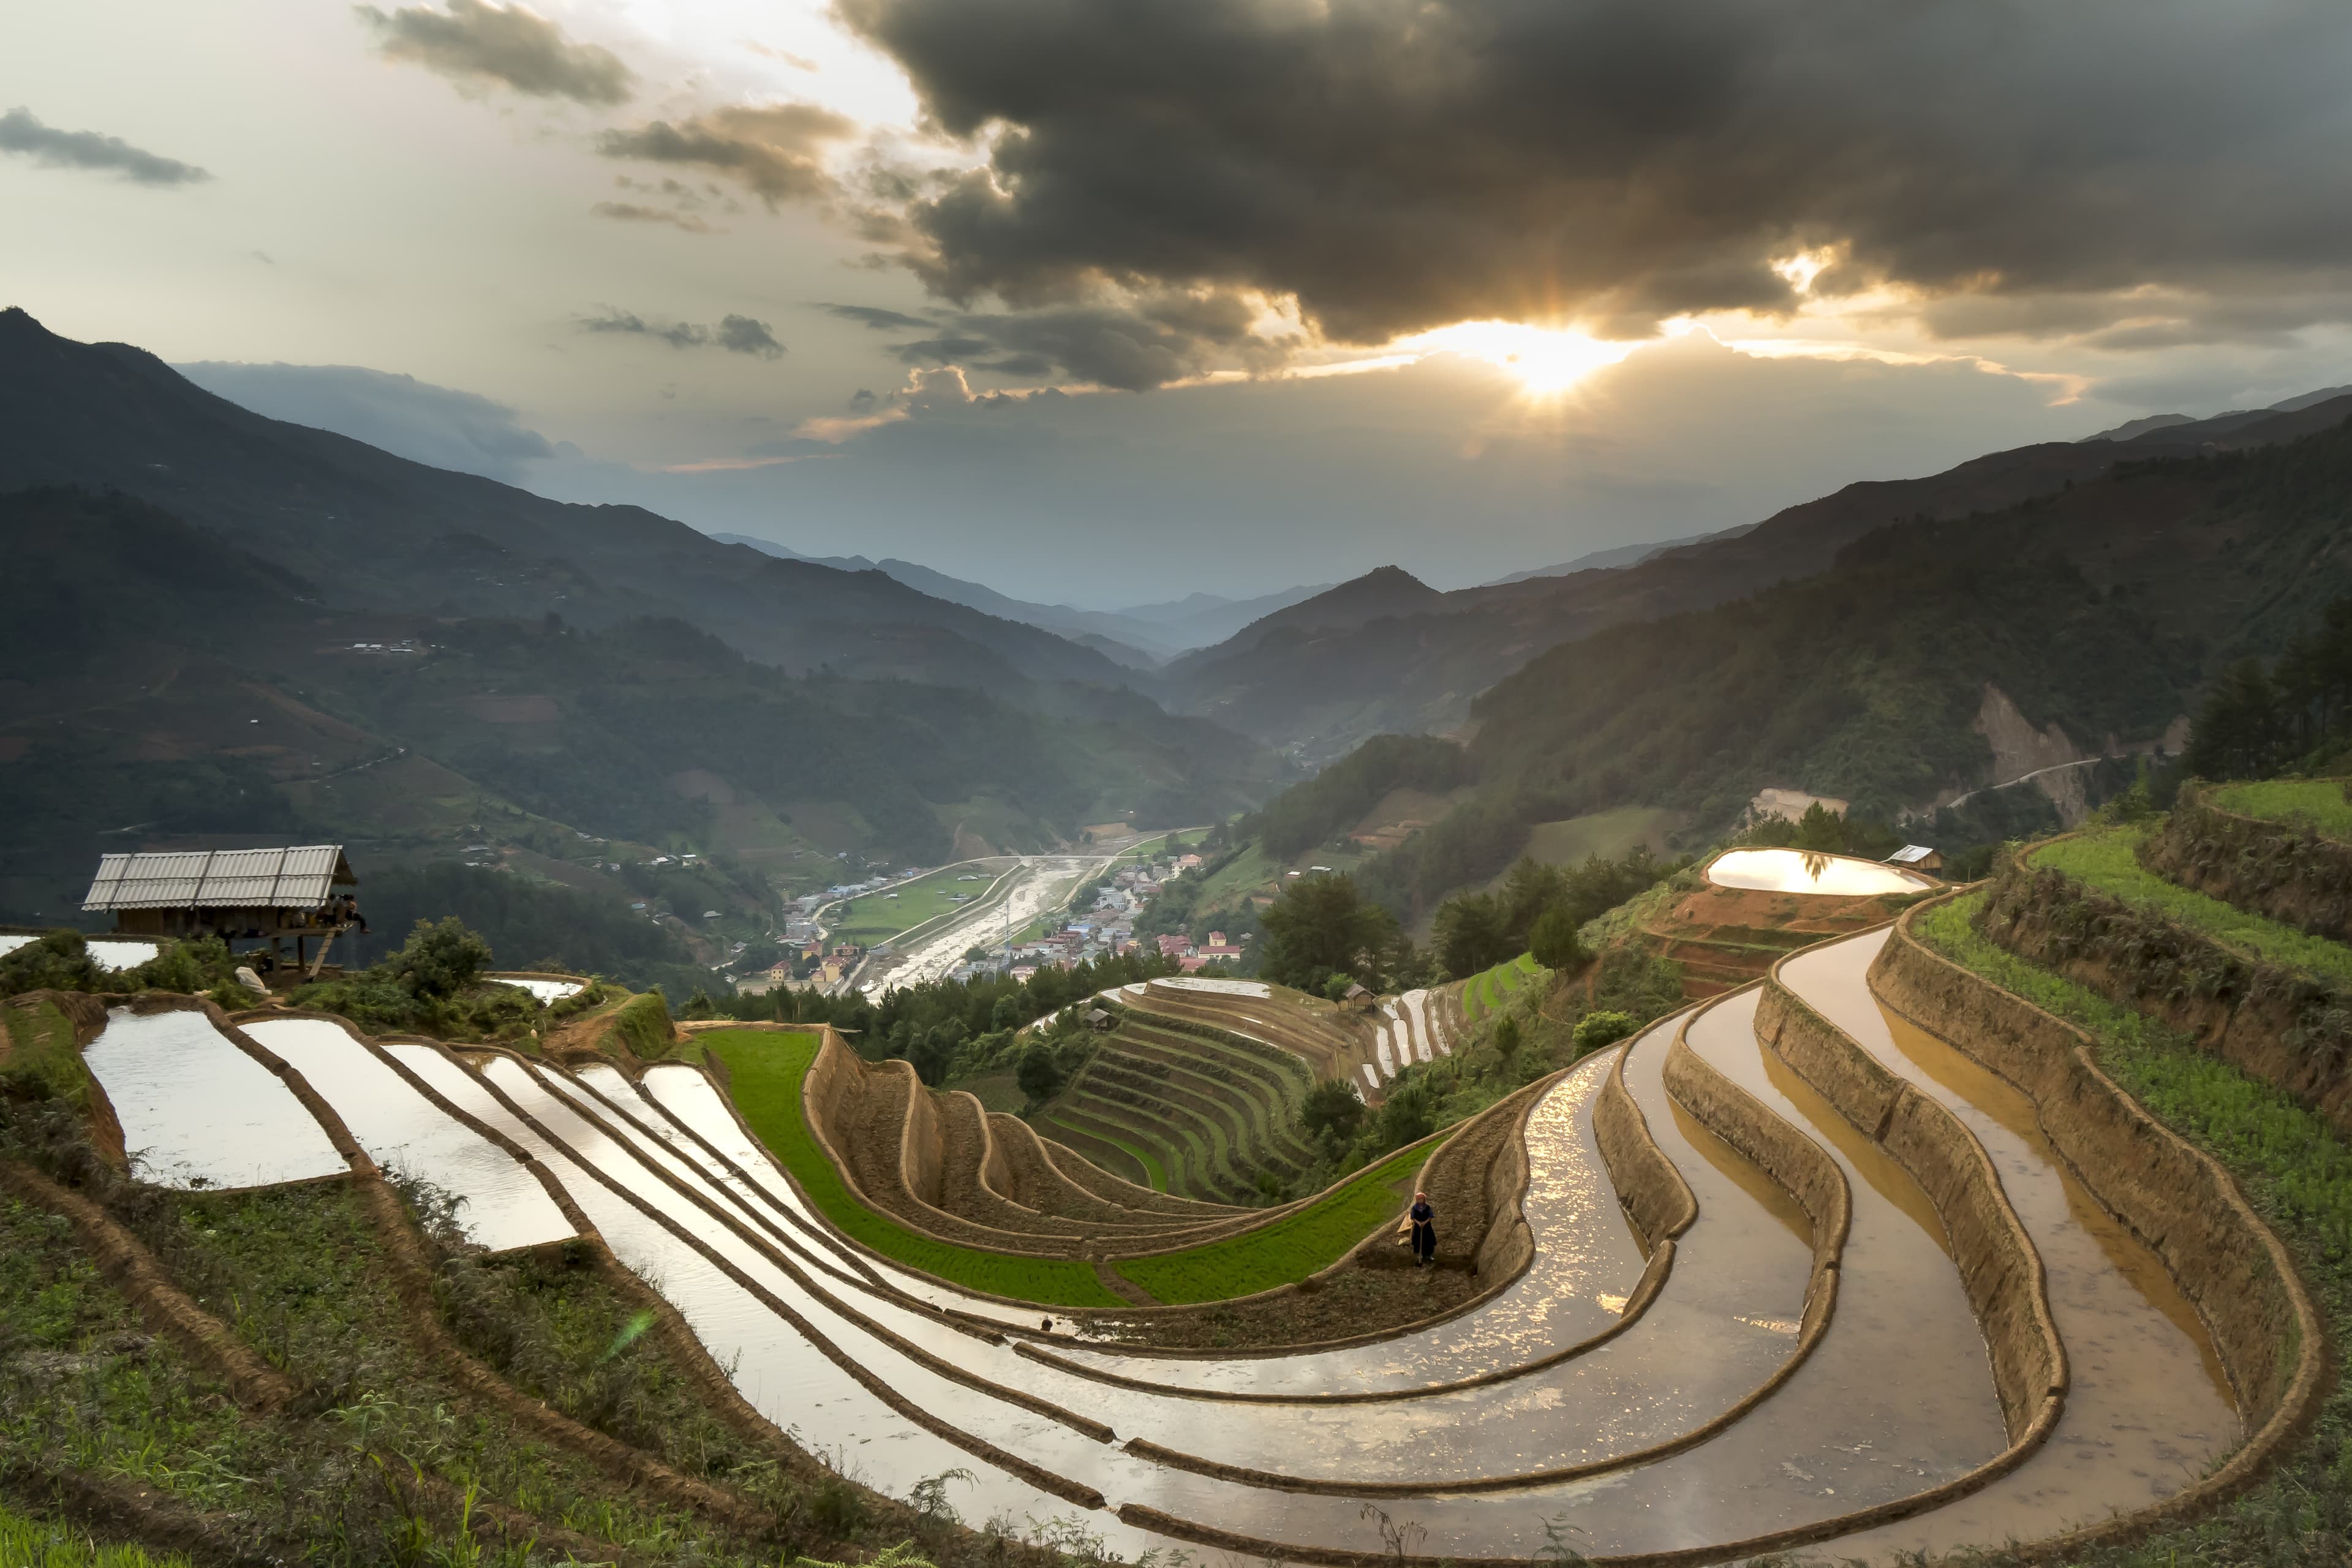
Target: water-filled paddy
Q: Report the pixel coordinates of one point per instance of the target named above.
(1801, 871)
(197, 1112)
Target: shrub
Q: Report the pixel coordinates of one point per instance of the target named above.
(644, 1024)
(439, 960)
(1595, 1030)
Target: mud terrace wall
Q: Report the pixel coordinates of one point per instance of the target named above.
(2291, 874)
(1997, 1262)
(2178, 1202)
(2284, 1028)
(1653, 1193)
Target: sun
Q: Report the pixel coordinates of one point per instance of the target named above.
(1546, 361)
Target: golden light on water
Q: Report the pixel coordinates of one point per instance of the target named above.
(1546, 360)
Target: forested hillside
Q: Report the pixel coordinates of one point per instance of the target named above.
(2103, 610)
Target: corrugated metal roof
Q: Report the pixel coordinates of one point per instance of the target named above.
(219, 879)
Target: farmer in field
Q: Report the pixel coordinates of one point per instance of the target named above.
(1424, 1231)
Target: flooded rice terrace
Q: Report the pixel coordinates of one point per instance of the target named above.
(1573, 1404)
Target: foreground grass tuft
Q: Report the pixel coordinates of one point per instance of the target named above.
(38, 1543)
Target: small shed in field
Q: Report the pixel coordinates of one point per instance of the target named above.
(1918, 857)
(237, 895)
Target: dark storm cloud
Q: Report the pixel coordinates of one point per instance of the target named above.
(22, 131)
(1399, 164)
(473, 42)
(736, 334)
(775, 152)
(1146, 342)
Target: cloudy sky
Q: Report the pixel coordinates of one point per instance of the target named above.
(1114, 300)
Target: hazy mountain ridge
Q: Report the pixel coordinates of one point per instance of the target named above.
(1139, 638)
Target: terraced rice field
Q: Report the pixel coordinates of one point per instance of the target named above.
(2105, 859)
(1202, 1115)
(1489, 989)
(2319, 803)
(1877, 1311)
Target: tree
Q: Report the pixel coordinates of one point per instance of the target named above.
(1506, 1037)
(1039, 1075)
(1470, 934)
(1331, 1105)
(1821, 830)
(2239, 729)
(1320, 924)
(1554, 941)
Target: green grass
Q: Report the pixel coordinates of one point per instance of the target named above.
(36, 1543)
(2293, 1167)
(2320, 803)
(1283, 1252)
(766, 1070)
(2103, 859)
(1155, 1173)
(878, 916)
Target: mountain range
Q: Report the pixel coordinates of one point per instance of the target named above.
(225, 625)
(1386, 653)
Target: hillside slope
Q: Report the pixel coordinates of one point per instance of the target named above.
(2099, 610)
(373, 530)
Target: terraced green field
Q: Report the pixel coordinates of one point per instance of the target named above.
(2102, 858)
(1104, 1145)
(765, 1070)
(1283, 1252)
(1205, 1114)
(1489, 989)
(2320, 803)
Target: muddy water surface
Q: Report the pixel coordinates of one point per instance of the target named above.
(2149, 1408)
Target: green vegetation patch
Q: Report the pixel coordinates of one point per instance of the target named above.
(765, 1072)
(1490, 988)
(2319, 803)
(644, 1024)
(1282, 1253)
(39, 1050)
(1155, 1173)
(2103, 859)
(38, 1543)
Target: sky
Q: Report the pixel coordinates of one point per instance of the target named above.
(1106, 301)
